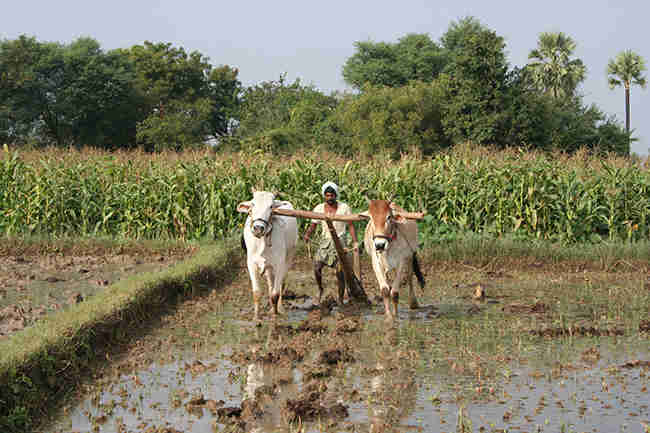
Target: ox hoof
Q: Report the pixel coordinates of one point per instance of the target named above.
(414, 305)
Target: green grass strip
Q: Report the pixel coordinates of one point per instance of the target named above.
(42, 363)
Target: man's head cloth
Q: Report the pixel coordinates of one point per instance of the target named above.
(330, 187)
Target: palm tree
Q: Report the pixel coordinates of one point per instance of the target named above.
(553, 70)
(626, 70)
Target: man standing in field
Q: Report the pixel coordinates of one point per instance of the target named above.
(326, 253)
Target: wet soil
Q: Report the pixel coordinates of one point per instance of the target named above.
(509, 347)
(36, 281)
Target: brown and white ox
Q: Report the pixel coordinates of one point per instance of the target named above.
(391, 240)
(270, 242)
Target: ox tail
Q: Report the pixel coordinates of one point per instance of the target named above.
(243, 243)
(417, 271)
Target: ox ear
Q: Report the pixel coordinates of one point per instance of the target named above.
(244, 206)
(279, 203)
(399, 218)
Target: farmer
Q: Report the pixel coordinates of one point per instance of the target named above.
(326, 253)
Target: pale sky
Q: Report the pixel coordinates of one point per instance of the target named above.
(312, 41)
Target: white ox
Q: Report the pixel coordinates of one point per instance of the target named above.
(270, 242)
(391, 240)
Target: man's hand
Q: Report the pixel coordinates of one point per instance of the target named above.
(306, 239)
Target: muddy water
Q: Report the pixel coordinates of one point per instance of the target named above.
(32, 287)
(504, 363)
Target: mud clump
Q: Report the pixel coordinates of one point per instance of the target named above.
(314, 315)
(591, 355)
(635, 364)
(195, 405)
(327, 305)
(331, 357)
(154, 429)
(336, 354)
(308, 326)
(644, 326)
(251, 410)
(537, 308)
(75, 298)
(308, 407)
(346, 326)
(232, 416)
(213, 405)
(315, 386)
(282, 330)
(264, 390)
(579, 331)
(197, 367)
(280, 355)
(226, 413)
(241, 417)
(317, 371)
(13, 318)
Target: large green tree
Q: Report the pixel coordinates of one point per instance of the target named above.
(553, 70)
(455, 38)
(74, 94)
(181, 89)
(388, 119)
(474, 82)
(277, 104)
(626, 69)
(413, 57)
(224, 91)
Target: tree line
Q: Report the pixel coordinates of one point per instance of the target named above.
(413, 95)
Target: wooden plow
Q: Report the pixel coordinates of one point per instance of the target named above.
(352, 272)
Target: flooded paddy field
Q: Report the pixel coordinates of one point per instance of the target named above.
(518, 347)
(39, 279)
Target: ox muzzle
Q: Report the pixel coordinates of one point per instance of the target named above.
(261, 227)
(382, 242)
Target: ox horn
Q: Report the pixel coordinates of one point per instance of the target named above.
(412, 215)
(369, 194)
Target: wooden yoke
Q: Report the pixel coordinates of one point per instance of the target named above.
(355, 288)
(317, 215)
(347, 218)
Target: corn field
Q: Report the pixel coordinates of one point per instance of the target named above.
(176, 196)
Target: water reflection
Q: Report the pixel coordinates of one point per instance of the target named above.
(393, 388)
(563, 385)
(267, 387)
